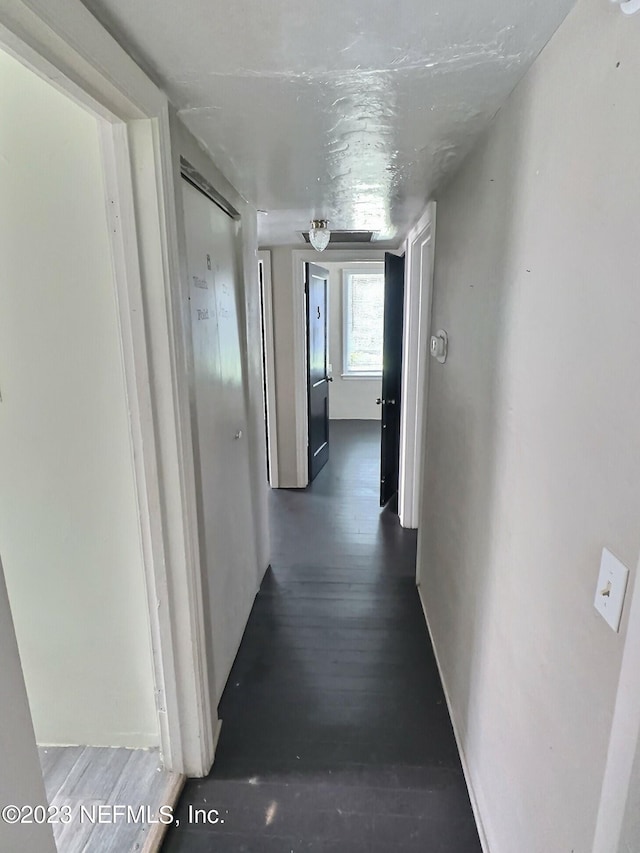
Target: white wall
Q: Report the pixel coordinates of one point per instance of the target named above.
(349, 398)
(283, 333)
(69, 533)
(21, 780)
(532, 462)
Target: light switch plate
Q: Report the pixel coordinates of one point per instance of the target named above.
(611, 589)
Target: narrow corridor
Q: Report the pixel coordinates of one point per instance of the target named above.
(335, 735)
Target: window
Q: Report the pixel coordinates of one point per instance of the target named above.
(363, 320)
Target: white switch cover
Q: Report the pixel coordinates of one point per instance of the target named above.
(612, 586)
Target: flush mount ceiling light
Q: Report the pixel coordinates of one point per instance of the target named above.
(629, 7)
(319, 234)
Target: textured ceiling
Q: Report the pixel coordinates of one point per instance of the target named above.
(351, 110)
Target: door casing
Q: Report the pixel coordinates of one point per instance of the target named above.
(299, 258)
(418, 289)
(63, 43)
(269, 358)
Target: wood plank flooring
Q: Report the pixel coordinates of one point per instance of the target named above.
(77, 776)
(335, 735)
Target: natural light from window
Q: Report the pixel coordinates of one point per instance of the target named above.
(363, 323)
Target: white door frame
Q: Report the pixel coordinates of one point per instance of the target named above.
(624, 738)
(419, 256)
(418, 249)
(299, 258)
(264, 259)
(63, 43)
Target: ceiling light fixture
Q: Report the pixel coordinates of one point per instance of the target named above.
(629, 7)
(319, 234)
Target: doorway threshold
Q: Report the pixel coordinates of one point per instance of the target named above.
(84, 786)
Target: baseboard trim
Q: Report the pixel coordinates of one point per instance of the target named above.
(216, 738)
(463, 759)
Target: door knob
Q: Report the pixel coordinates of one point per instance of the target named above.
(329, 378)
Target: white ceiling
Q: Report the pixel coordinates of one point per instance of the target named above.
(351, 110)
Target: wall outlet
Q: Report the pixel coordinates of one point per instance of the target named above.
(611, 589)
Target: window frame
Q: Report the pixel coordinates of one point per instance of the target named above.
(375, 268)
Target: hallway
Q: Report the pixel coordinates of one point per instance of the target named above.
(336, 735)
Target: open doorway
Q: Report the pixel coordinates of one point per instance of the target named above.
(355, 297)
(290, 318)
(70, 534)
(354, 330)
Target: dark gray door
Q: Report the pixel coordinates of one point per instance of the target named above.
(391, 376)
(316, 284)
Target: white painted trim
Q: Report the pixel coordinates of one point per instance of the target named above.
(484, 841)
(415, 366)
(299, 258)
(62, 42)
(172, 343)
(300, 367)
(264, 256)
(217, 733)
(126, 264)
(624, 740)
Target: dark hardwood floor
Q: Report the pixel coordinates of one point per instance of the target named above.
(336, 735)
